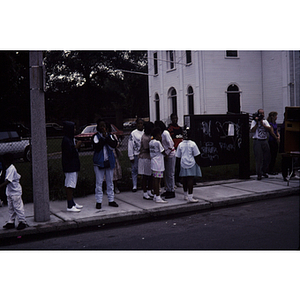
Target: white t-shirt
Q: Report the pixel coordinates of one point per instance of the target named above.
(13, 188)
(168, 143)
(157, 158)
(187, 150)
(261, 132)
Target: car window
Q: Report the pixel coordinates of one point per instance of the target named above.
(3, 135)
(90, 129)
(13, 134)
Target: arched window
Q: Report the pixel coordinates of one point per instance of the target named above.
(157, 113)
(173, 100)
(190, 97)
(233, 99)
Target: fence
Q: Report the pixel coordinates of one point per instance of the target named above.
(86, 179)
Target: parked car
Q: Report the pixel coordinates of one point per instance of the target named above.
(53, 129)
(22, 130)
(129, 124)
(11, 142)
(86, 135)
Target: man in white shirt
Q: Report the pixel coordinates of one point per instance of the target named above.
(260, 129)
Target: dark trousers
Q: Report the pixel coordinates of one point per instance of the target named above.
(261, 151)
(273, 151)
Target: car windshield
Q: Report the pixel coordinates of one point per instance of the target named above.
(4, 135)
(90, 129)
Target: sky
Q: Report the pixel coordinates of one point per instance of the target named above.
(132, 25)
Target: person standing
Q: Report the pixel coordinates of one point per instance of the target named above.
(144, 167)
(104, 162)
(286, 160)
(177, 136)
(117, 170)
(157, 163)
(14, 194)
(134, 145)
(273, 143)
(70, 164)
(188, 158)
(260, 129)
(169, 160)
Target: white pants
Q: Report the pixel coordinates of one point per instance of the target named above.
(109, 173)
(15, 209)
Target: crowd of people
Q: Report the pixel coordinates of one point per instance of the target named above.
(162, 156)
(153, 152)
(268, 141)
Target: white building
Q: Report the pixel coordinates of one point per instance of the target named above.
(220, 82)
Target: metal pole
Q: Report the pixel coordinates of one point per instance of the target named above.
(38, 135)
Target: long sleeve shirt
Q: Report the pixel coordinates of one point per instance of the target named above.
(134, 143)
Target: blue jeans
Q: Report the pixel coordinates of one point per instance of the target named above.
(109, 173)
(134, 171)
(170, 173)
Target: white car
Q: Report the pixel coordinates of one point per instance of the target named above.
(11, 142)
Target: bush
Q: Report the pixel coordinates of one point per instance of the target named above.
(86, 178)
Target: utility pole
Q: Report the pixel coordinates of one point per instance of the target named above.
(38, 139)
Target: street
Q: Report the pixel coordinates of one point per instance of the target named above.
(262, 225)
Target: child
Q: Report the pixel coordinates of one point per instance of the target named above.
(14, 194)
(188, 156)
(134, 145)
(157, 163)
(70, 164)
(144, 168)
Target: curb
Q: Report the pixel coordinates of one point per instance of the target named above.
(149, 214)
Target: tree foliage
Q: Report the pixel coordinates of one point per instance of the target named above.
(83, 85)
(14, 88)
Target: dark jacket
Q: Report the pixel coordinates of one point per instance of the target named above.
(70, 157)
(108, 142)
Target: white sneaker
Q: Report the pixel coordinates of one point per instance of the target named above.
(147, 197)
(73, 209)
(159, 200)
(192, 200)
(150, 194)
(186, 198)
(78, 206)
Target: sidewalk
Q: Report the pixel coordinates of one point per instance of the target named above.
(132, 206)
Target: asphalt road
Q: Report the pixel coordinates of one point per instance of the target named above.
(270, 225)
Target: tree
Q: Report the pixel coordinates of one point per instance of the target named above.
(14, 88)
(82, 85)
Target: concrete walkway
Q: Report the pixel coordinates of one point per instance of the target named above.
(132, 206)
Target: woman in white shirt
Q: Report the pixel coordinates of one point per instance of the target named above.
(188, 155)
